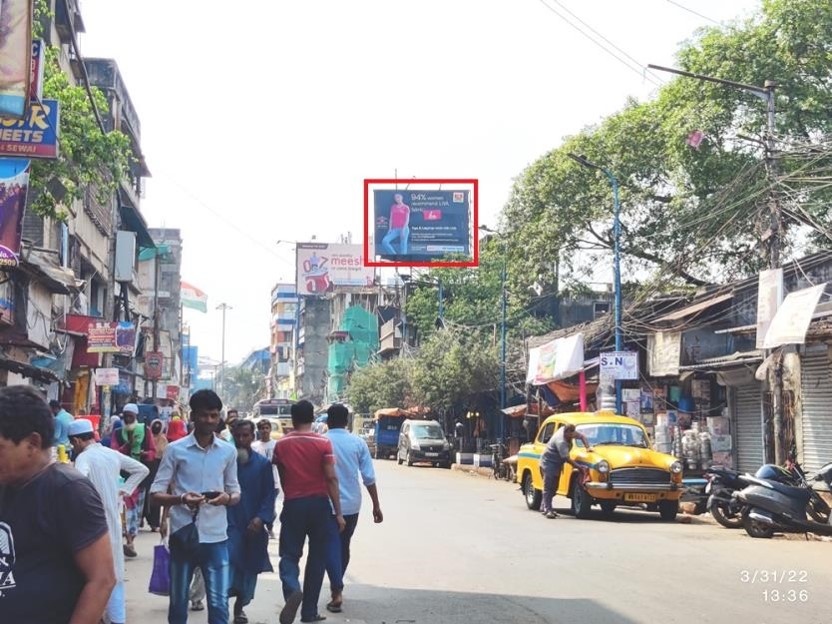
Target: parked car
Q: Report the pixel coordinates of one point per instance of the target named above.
(623, 469)
(422, 441)
(368, 434)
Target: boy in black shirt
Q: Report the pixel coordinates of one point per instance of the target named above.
(56, 565)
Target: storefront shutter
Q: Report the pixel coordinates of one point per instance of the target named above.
(816, 387)
(748, 427)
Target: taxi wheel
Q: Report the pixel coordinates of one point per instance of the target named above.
(533, 496)
(668, 510)
(608, 507)
(581, 501)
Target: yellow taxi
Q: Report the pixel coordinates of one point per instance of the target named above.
(623, 469)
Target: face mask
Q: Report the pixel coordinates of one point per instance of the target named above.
(243, 455)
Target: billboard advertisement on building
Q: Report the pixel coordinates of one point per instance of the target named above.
(421, 224)
(113, 337)
(322, 266)
(15, 56)
(14, 185)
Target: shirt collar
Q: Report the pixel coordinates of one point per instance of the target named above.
(192, 441)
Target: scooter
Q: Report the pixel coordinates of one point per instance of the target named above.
(775, 507)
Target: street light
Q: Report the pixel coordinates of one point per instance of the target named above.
(616, 230)
(503, 306)
(224, 307)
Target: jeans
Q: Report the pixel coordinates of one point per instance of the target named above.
(301, 518)
(338, 554)
(215, 566)
(551, 477)
(392, 234)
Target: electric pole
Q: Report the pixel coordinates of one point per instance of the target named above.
(224, 307)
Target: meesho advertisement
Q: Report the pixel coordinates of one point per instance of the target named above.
(322, 266)
(421, 224)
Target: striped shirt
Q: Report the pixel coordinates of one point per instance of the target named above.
(300, 458)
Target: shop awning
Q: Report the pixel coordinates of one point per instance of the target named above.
(695, 308)
(45, 268)
(515, 411)
(739, 358)
(27, 370)
(135, 223)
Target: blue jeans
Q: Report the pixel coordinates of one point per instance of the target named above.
(301, 518)
(216, 570)
(392, 234)
(338, 554)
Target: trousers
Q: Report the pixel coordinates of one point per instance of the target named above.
(551, 477)
(214, 562)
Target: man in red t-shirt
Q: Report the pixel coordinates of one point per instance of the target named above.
(306, 464)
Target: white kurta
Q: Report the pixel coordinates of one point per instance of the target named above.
(103, 466)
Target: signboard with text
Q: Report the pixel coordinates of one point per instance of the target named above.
(321, 266)
(106, 377)
(116, 337)
(619, 365)
(153, 364)
(34, 136)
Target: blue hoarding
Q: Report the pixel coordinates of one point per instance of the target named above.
(421, 224)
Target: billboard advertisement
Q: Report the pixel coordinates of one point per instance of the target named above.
(35, 136)
(15, 56)
(116, 337)
(421, 224)
(322, 266)
(14, 185)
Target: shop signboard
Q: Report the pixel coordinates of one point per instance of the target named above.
(106, 377)
(153, 365)
(14, 187)
(321, 266)
(15, 56)
(34, 136)
(115, 337)
(790, 324)
(419, 224)
(619, 365)
(172, 393)
(664, 353)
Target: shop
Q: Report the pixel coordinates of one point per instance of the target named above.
(815, 437)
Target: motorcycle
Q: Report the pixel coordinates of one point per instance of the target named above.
(771, 506)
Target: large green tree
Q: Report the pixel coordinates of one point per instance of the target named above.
(381, 385)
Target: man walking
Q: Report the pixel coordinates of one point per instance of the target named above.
(103, 467)
(201, 472)
(264, 445)
(134, 440)
(305, 462)
(56, 564)
(552, 461)
(248, 542)
(62, 420)
(352, 458)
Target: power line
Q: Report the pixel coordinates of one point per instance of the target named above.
(684, 8)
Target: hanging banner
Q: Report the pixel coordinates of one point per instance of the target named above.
(14, 186)
(106, 377)
(38, 62)
(114, 337)
(153, 364)
(560, 359)
(790, 324)
(769, 298)
(320, 266)
(534, 358)
(34, 136)
(15, 56)
(619, 365)
(664, 353)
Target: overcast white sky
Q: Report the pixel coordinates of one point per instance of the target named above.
(260, 119)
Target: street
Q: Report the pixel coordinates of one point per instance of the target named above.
(455, 548)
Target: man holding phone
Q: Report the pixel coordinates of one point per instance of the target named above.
(201, 472)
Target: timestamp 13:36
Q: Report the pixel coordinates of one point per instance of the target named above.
(786, 595)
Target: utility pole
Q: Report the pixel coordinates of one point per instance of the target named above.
(224, 307)
(503, 326)
(771, 236)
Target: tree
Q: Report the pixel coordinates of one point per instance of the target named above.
(694, 215)
(243, 387)
(381, 385)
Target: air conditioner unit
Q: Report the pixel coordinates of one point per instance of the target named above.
(125, 256)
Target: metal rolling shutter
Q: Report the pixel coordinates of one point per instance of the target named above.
(748, 427)
(816, 386)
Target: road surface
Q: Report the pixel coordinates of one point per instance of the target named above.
(456, 548)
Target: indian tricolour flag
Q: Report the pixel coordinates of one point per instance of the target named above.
(193, 297)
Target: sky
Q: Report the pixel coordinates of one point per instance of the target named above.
(260, 120)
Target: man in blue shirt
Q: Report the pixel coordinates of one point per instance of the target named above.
(196, 479)
(352, 458)
(62, 420)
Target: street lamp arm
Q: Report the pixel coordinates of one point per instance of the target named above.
(761, 92)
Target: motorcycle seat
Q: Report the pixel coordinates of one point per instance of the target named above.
(798, 493)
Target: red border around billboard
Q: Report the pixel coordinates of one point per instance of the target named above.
(460, 263)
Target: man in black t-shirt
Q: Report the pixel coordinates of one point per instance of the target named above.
(56, 564)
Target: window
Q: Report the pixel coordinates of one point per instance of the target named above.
(546, 434)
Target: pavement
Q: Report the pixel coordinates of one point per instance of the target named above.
(455, 548)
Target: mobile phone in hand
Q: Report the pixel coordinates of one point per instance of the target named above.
(211, 495)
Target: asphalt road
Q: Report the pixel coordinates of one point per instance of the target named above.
(455, 548)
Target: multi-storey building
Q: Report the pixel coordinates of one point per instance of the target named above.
(282, 348)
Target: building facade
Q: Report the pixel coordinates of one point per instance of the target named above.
(284, 319)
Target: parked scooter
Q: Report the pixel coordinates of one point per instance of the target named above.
(775, 507)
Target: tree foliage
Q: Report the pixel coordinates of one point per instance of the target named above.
(88, 158)
(243, 387)
(384, 384)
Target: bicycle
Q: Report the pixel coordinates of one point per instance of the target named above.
(500, 470)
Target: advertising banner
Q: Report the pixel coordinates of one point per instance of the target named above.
(321, 266)
(559, 359)
(35, 136)
(792, 320)
(619, 365)
(421, 224)
(15, 56)
(38, 62)
(14, 185)
(111, 338)
(769, 298)
(153, 364)
(106, 377)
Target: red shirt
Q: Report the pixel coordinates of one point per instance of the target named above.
(398, 216)
(301, 458)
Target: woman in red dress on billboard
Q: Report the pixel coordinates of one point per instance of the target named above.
(399, 226)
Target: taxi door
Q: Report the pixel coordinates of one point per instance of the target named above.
(543, 436)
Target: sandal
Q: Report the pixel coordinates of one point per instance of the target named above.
(241, 618)
(334, 607)
(317, 618)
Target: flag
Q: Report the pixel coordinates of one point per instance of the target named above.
(193, 297)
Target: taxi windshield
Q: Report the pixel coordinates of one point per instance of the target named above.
(600, 434)
(427, 432)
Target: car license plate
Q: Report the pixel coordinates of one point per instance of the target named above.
(431, 454)
(640, 498)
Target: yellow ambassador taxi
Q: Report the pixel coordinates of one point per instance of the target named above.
(623, 469)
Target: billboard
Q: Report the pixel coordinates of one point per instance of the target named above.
(421, 224)
(15, 56)
(322, 266)
(115, 337)
(35, 136)
(14, 185)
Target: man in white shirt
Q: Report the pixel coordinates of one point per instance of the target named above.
(103, 467)
(264, 445)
